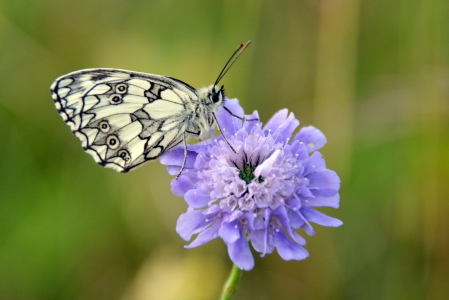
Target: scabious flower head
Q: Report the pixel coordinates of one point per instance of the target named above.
(260, 194)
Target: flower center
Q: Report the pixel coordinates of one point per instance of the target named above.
(247, 174)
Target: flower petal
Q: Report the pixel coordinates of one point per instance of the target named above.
(212, 210)
(299, 149)
(258, 239)
(229, 232)
(181, 186)
(191, 223)
(206, 236)
(332, 201)
(197, 198)
(288, 249)
(325, 179)
(175, 157)
(285, 130)
(228, 123)
(261, 219)
(298, 239)
(252, 122)
(320, 218)
(304, 192)
(235, 215)
(276, 121)
(173, 170)
(201, 162)
(281, 214)
(312, 137)
(266, 166)
(240, 254)
(296, 221)
(315, 163)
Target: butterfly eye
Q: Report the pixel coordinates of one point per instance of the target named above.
(116, 99)
(124, 155)
(104, 126)
(121, 88)
(113, 142)
(215, 97)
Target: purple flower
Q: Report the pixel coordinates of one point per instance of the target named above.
(262, 193)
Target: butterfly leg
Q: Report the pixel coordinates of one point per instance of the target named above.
(238, 117)
(185, 156)
(221, 131)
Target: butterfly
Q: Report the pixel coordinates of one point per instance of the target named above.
(125, 118)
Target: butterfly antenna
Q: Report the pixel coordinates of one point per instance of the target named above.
(232, 60)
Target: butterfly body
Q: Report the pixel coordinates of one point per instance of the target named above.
(125, 118)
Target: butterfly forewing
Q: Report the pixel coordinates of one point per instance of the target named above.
(125, 118)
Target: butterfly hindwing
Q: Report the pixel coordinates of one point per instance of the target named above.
(124, 118)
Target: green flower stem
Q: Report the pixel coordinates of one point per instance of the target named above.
(231, 284)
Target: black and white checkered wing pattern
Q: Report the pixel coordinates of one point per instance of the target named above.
(124, 118)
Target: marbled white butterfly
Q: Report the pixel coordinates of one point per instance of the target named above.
(125, 118)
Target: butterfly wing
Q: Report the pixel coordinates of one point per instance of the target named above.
(124, 118)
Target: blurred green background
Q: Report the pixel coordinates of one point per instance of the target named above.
(372, 75)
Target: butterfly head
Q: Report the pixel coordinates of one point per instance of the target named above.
(211, 97)
(216, 96)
